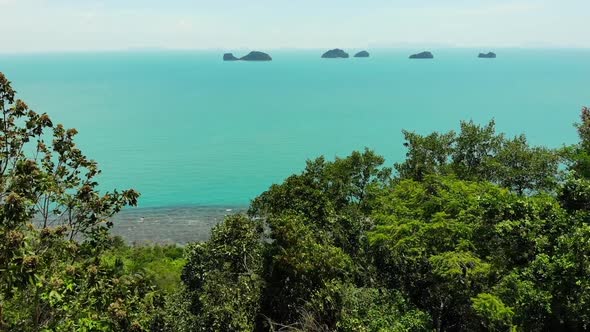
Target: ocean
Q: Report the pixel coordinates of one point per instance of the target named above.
(194, 133)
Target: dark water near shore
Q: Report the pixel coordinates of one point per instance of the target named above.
(171, 225)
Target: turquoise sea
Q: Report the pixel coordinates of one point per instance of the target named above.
(189, 130)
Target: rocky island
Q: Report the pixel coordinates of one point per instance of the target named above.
(229, 57)
(256, 56)
(252, 56)
(423, 55)
(489, 55)
(362, 54)
(335, 54)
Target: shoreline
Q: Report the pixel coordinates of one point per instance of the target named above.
(170, 225)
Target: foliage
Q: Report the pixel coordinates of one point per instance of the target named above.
(160, 264)
(477, 232)
(54, 228)
(369, 309)
(426, 155)
(325, 188)
(223, 277)
(578, 156)
(477, 153)
(300, 263)
(493, 312)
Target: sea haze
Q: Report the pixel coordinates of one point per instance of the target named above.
(187, 129)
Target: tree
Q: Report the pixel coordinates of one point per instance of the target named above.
(579, 154)
(495, 315)
(444, 241)
(426, 239)
(333, 199)
(476, 146)
(477, 153)
(300, 262)
(223, 277)
(522, 168)
(355, 309)
(53, 228)
(325, 187)
(426, 155)
(317, 223)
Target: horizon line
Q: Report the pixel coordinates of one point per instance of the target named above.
(216, 49)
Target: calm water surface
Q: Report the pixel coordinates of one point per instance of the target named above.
(188, 130)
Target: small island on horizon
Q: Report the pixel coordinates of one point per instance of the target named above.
(335, 54)
(362, 54)
(252, 56)
(229, 57)
(489, 55)
(422, 55)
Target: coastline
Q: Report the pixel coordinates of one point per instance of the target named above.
(170, 225)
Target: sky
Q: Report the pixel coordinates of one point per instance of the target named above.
(99, 25)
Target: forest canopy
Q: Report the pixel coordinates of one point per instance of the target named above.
(472, 231)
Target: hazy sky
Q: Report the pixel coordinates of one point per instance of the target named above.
(66, 25)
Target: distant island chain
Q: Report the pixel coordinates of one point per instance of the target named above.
(338, 54)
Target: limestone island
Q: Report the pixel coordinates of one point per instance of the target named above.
(252, 56)
(335, 54)
(256, 56)
(362, 54)
(229, 57)
(423, 55)
(490, 55)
